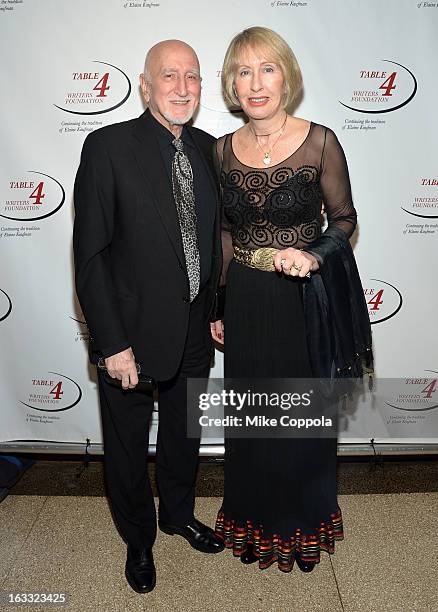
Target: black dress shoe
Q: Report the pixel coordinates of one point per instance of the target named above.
(140, 569)
(304, 567)
(249, 556)
(198, 535)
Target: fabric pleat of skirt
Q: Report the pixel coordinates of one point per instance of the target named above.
(280, 493)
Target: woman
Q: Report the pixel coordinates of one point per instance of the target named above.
(276, 172)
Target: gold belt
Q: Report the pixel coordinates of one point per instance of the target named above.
(262, 259)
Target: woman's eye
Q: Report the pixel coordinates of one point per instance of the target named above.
(269, 69)
(243, 73)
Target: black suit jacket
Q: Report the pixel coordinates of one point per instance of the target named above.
(131, 277)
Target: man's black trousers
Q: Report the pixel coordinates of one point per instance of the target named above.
(125, 422)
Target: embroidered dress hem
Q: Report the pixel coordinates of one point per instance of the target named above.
(274, 548)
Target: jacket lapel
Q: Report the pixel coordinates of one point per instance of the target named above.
(207, 158)
(151, 164)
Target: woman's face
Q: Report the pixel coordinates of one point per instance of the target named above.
(259, 85)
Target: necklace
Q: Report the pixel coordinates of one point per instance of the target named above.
(267, 154)
(271, 133)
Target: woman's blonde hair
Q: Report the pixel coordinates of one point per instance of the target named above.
(276, 49)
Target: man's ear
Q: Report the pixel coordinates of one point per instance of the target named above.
(144, 86)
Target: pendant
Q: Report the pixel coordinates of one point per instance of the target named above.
(267, 159)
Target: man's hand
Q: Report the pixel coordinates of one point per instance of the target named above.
(217, 331)
(122, 366)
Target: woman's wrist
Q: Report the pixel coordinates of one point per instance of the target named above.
(315, 263)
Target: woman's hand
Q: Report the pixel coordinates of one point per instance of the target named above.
(217, 331)
(294, 262)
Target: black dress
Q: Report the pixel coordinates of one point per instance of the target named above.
(280, 494)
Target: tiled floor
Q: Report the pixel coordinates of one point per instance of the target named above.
(51, 542)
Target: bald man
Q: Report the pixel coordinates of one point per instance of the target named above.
(147, 259)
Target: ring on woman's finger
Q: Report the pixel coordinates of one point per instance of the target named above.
(282, 262)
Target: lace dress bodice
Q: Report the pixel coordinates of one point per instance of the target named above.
(280, 206)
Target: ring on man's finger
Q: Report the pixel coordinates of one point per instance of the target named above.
(294, 265)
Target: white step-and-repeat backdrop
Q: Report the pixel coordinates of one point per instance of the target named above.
(71, 66)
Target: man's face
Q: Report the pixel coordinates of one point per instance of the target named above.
(173, 87)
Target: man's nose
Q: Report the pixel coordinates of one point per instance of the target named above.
(181, 86)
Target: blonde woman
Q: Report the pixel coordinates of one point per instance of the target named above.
(276, 173)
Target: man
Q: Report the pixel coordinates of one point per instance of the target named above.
(147, 258)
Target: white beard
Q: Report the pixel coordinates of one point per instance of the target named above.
(178, 120)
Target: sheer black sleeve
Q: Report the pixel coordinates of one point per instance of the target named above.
(226, 238)
(336, 193)
(227, 242)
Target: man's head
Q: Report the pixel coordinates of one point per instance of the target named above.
(171, 82)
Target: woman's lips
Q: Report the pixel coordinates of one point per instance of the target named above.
(260, 101)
